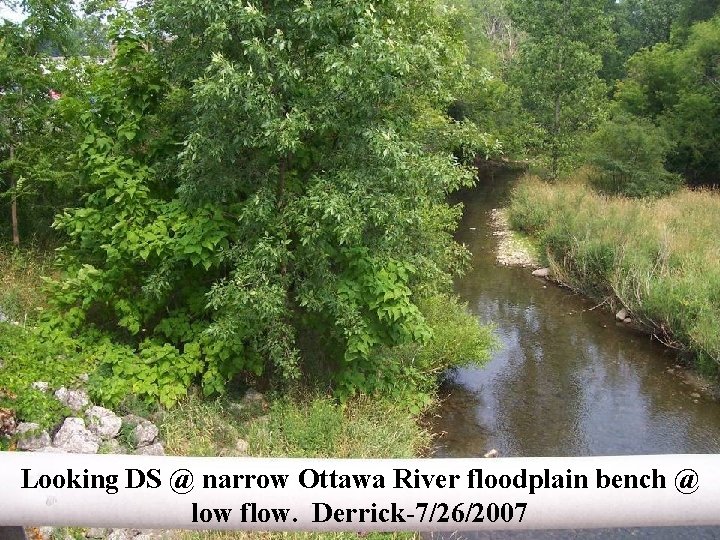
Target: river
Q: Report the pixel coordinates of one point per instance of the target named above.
(568, 380)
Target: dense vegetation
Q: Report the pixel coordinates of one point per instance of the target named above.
(657, 258)
(258, 194)
(238, 196)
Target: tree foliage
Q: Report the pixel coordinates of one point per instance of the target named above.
(677, 87)
(629, 158)
(266, 189)
(557, 69)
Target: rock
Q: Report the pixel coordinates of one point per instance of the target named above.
(628, 321)
(46, 532)
(96, 533)
(145, 433)
(75, 438)
(75, 400)
(156, 449)
(542, 273)
(695, 395)
(8, 423)
(622, 315)
(52, 450)
(41, 385)
(103, 422)
(31, 438)
(242, 446)
(492, 454)
(112, 446)
(253, 396)
(121, 534)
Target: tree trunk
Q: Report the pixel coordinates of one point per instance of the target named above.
(556, 135)
(13, 205)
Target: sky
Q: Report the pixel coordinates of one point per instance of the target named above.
(16, 16)
(7, 13)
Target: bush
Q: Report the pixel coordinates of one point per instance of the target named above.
(409, 373)
(628, 154)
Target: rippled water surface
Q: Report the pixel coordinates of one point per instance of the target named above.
(568, 381)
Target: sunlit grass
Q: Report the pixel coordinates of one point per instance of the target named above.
(20, 282)
(659, 258)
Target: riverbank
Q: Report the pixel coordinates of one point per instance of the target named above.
(658, 260)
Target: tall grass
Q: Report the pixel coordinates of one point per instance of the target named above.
(659, 258)
(20, 282)
(305, 425)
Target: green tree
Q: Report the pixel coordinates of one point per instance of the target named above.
(628, 154)
(557, 69)
(29, 135)
(268, 180)
(676, 86)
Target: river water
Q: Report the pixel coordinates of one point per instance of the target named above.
(568, 381)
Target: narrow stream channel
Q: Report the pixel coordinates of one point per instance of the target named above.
(568, 381)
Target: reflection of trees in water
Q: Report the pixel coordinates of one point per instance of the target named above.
(563, 384)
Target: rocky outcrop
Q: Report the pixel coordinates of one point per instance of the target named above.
(75, 438)
(75, 400)
(103, 422)
(31, 437)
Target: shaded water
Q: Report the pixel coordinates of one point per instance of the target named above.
(568, 381)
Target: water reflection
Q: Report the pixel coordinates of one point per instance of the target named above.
(568, 381)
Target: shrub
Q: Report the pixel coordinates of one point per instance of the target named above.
(628, 154)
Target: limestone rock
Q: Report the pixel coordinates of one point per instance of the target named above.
(46, 532)
(41, 385)
(542, 273)
(121, 534)
(31, 438)
(112, 446)
(145, 433)
(242, 446)
(156, 449)
(103, 422)
(52, 450)
(622, 315)
(75, 438)
(75, 400)
(253, 396)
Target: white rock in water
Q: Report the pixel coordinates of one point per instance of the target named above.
(622, 315)
(492, 454)
(145, 433)
(31, 439)
(76, 400)
(542, 273)
(103, 422)
(75, 438)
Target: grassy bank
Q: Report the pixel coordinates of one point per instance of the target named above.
(658, 258)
